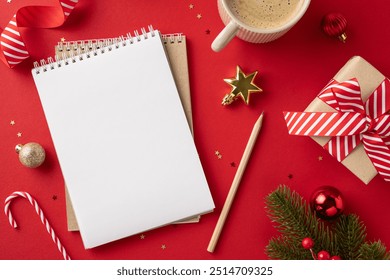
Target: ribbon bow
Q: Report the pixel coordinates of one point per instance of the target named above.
(354, 122)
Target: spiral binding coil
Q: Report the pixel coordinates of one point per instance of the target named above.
(172, 38)
(72, 52)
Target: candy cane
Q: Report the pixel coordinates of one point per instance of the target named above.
(39, 211)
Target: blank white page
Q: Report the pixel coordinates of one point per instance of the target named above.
(123, 141)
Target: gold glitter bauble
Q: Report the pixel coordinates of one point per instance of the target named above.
(31, 154)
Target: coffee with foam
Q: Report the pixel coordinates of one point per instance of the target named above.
(265, 14)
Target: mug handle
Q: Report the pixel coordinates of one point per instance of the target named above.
(225, 36)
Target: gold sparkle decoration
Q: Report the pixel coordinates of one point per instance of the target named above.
(199, 16)
(163, 247)
(19, 134)
(218, 154)
(31, 154)
(12, 122)
(63, 39)
(242, 85)
(191, 6)
(142, 236)
(320, 158)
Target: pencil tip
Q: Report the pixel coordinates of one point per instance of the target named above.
(261, 115)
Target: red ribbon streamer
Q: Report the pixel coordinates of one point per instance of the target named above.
(13, 49)
(354, 122)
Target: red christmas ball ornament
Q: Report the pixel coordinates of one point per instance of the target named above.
(327, 202)
(323, 255)
(335, 258)
(307, 243)
(334, 25)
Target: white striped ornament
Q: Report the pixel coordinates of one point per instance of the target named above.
(41, 215)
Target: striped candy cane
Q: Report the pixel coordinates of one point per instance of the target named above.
(39, 211)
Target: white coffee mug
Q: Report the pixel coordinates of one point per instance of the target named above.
(235, 26)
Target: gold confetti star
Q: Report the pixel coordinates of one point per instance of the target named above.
(142, 236)
(199, 16)
(242, 85)
(19, 134)
(219, 156)
(163, 247)
(63, 39)
(12, 122)
(320, 158)
(217, 153)
(191, 6)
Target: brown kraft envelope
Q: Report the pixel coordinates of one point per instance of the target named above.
(369, 79)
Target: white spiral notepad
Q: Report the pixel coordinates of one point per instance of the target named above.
(122, 138)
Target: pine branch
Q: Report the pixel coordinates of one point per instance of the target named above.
(373, 251)
(282, 248)
(352, 233)
(295, 221)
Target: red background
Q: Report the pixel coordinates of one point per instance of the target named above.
(292, 70)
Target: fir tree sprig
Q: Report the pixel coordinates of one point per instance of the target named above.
(373, 251)
(352, 233)
(294, 219)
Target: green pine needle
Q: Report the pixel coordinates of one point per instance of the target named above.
(294, 219)
(373, 251)
(282, 248)
(352, 233)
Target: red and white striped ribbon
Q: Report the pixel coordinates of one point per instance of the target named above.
(354, 122)
(39, 211)
(13, 48)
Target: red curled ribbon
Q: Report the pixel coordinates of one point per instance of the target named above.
(13, 49)
(354, 122)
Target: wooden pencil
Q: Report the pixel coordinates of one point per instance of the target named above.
(235, 184)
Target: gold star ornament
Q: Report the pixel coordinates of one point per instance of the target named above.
(242, 85)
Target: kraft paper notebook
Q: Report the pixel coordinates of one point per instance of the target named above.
(176, 49)
(122, 138)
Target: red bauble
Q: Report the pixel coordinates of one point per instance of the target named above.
(335, 258)
(327, 202)
(334, 25)
(323, 255)
(307, 243)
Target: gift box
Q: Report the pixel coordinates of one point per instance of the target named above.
(350, 119)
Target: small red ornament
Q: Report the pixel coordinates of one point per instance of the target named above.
(334, 25)
(323, 255)
(327, 202)
(335, 258)
(307, 243)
